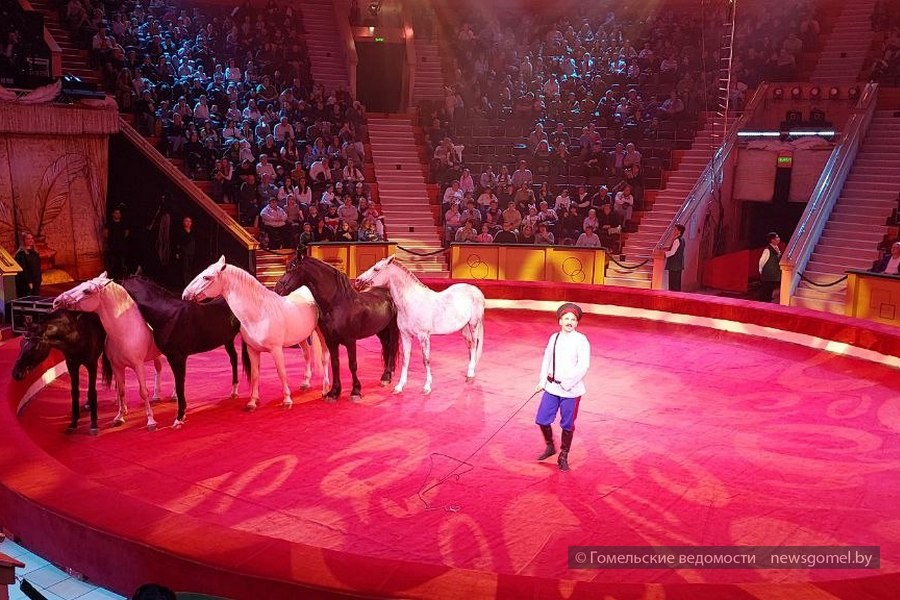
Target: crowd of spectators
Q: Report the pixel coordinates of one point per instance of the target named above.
(885, 67)
(19, 51)
(590, 105)
(230, 93)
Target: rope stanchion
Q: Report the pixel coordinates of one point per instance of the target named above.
(811, 282)
(629, 267)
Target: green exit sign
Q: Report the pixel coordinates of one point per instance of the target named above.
(379, 39)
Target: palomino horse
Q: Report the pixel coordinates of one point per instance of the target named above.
(269, 322)
(129, 341)
(80, 337)
(181, 328)
(422, 312)
(345, 316)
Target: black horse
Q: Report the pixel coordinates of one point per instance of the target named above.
(181, 328)
(345, 316)
(80, 337)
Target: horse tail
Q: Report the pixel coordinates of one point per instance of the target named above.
(390, 348)
(245, 358)
(106, 370)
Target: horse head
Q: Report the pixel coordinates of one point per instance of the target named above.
(378, 275)
(292, 278)
(85, 296)
(206, 285)
(34, 350)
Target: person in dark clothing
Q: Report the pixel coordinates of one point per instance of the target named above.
(116, 234)
(769, 269)
(28, 282)
(185, 247)
(675, 259)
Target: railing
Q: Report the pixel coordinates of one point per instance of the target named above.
(409, 67)
(697, 198)
(342, 15)
(825, 194)
(225, 223)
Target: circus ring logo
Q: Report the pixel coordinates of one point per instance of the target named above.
(478, 269)
(573, 268)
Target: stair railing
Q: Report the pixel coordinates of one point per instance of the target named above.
(826, 193)
(345, 32)
(700, 197)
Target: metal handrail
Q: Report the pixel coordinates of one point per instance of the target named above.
(188, 187)
(826, 193)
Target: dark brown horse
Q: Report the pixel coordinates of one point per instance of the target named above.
(181, 328)
(80, 337)
(345, 316)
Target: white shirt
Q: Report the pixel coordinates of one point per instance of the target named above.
(573, 357)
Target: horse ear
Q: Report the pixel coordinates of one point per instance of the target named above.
(390, 259)
(221, 260)
(103, 275)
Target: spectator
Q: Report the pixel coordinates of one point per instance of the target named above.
(484, 237)
(544, 236)
(466, 234)
(588, 239)
(28, 281)
(889, 264)
(275, 224)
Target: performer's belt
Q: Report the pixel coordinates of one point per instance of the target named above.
(551, 380)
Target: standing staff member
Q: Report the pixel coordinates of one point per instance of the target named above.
(28, 282)
(566, 361)
(769, 269)
(675, 259)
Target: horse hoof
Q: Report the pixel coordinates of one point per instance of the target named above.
(304, 387)
(154, 399)
(398, 390)
(385, 382)
(287, 405)
(151, 426)
(177, 424)
(250, 408)
(426, 391)
(118, 422)
(355, 397)
(71, 429)
(470, 378)
(329, 399)
(95, 432)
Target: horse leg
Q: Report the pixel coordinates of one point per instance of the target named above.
(335, 392)
(157, 379)
(472, 341)
(179, 370)
(92, 395)
(406, 345)
(425, 344)
(307, 373)
(119, 373)
(232, 356)
(278, 355)
(385, 337)
(145, 394)
(75, 388)
(356, 391)
(254, 379)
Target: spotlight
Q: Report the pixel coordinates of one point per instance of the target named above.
(853, 93)
(796, 93)
(833, 93)
(815, 92)
(778, 93)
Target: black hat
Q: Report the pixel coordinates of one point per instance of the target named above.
(569, 307)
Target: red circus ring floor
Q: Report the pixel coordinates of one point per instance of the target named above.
(708, 422)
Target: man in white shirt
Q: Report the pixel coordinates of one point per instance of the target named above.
(275, 221)
(566, 362)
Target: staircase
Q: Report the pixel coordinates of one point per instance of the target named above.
(661, 207)
(75, 61)
(429, 75)
(844, 53)
(408, 213)
(858, 220)
(325, 45)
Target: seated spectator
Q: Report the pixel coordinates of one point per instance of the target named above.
(368, 232)
(466, 234)
(527, 235)
(507, 235)
(888, 264)
(471, 212)
(488, 179)
(466, 182)
(453, 193)
(275, 224)
(588, 239)
(452, 221)
(484, 237)
(344, 232)
(522, 175)
(347, 211)
(562, 202)
(512, 215)
(544, 236)
(610, 231)
(571, 224)
(352, 174)
(547, 215)
(624, 205)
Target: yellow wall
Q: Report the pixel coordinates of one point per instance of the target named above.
(874, 297)
(564, 264)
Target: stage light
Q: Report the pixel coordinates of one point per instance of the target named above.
(796, 93)
(778, 93)
(834, 93)
(815, 92)
(853, 93)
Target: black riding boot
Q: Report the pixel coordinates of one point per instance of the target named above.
(548, 439)
(564, 446)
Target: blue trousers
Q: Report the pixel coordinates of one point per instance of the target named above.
(551, 404)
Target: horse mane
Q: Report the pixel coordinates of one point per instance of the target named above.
(409, 274)
(340, 279)
(154, 285)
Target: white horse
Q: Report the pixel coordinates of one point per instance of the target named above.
(269, 322)
(129, 340)
(422, 312)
